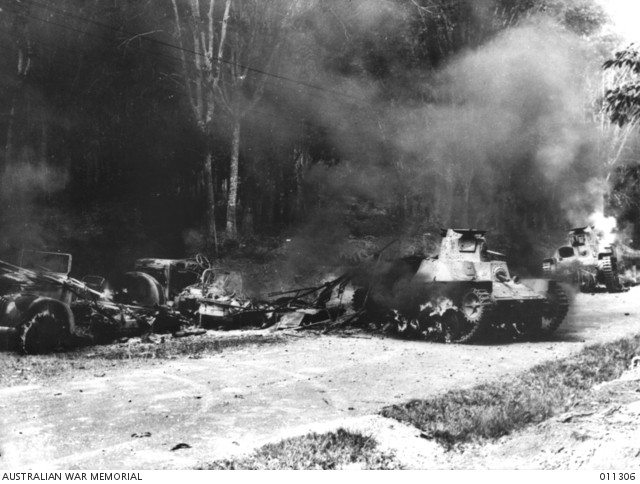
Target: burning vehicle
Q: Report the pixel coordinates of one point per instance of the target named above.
(586, 261)
(459, 294)
(35, 313)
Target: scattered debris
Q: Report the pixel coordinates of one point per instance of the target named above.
(181, 445)
(568, 417)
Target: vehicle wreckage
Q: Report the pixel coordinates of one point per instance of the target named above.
(455, 297)
(35, 312)
(42, 309)
(459, 294)
(587, 261)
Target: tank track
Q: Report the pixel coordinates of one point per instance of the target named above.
(558, 311)
(610, 278)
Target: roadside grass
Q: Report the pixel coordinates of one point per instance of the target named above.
(16, 369)
(490, 411)
(340, 449)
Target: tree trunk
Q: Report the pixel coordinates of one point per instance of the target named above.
(300, 166)
(8, 152)
(211, 201)
(233, 181)
(466, 219)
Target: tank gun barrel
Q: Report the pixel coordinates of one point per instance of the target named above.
(502, 277)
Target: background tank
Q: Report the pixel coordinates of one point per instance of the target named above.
(462, 292)
(586, 261)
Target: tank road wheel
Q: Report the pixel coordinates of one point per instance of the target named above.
(476, 307)
(555, 311)
(609, 275)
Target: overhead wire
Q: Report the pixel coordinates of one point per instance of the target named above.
(161, 54)
(173, 46)
(7, 34)
(157, 53)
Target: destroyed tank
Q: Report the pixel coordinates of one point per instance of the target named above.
(586, 261)
(461, 293)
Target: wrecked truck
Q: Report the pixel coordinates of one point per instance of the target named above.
(158, 281)
(35, 316)
(458, 295)
(587, 261)
(193, 287)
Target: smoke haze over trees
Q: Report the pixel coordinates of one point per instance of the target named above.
(136, 128)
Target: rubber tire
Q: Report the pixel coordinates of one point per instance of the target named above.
(47, 325)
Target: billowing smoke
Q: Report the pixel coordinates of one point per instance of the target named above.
(505, 141)
(510, 127)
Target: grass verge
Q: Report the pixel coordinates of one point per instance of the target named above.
(490, 411)
(332, 450)
(18, 369)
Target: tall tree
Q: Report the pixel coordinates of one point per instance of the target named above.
(622, 102)
(256, 32)
(231, 47)
(201, 32)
